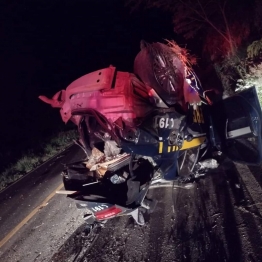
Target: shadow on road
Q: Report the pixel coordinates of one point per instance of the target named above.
(73, 246)
(212, 222)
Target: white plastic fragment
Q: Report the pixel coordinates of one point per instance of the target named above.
(111, 149)
(208, 163)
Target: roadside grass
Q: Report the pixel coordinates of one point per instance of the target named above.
(31, 159)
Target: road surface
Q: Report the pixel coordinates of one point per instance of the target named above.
(218, 219)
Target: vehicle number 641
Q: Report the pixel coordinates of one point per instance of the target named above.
(166, 122)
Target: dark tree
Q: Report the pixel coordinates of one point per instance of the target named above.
(221, 25)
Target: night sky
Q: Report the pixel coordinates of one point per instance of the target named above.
(45, 45)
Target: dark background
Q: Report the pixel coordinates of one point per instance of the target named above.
(45, 45)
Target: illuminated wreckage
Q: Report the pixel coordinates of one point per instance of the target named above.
(132, 126)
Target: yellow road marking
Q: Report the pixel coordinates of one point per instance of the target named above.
(27, 218)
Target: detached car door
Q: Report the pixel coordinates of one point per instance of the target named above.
(238, 122)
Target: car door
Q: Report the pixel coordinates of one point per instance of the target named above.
(237, 120)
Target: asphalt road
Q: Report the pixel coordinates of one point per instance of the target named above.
(218, 219)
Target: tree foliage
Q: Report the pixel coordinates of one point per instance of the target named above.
(221, 25)
(253, 76)
(254, 50)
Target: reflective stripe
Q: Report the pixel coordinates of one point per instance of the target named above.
(160, 147)
(194, 142)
